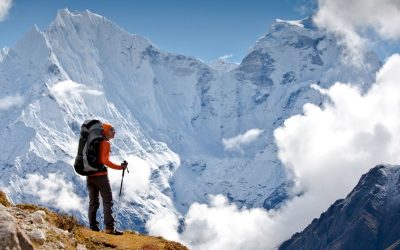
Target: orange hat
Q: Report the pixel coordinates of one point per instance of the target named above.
(107, 127)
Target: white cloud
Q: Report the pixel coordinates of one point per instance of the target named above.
(354, 20)
(136, 181)
(5, 6)
(226, 57)
(164, 224)
(10, 101)
(235, 143)
(53, 189)
(327, 149)
(222, 226)
(66, 89)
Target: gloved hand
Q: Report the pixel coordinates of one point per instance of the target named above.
(124, 165)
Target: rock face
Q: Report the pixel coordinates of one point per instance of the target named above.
(368, 218)
(11, 235)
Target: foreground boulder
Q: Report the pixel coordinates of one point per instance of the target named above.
(11, 235)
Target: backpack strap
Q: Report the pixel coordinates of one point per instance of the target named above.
(91, 123)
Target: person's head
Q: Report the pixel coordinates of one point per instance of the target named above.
(108, 131)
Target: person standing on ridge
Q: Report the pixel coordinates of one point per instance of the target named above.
(98, 183)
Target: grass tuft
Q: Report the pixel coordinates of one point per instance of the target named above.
(66, 222)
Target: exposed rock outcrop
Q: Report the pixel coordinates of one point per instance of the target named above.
(11, 235)
(28, 227)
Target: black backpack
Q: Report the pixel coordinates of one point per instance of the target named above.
(87, 158)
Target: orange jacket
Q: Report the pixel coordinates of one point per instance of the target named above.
(105, 158)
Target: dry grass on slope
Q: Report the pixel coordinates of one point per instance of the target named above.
(75, 235)
(129, 240)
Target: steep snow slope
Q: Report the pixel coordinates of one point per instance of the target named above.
(271, 83)
(187, 129)
(41, 129)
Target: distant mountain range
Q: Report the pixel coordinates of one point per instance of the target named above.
(183, 124)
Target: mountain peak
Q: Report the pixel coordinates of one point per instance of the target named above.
(290, 22)
(86, 25)
(222, 64)
(63, 12)
(34, 44)
(305, 23)
(65, 15)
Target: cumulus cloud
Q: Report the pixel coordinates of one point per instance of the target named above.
(68, 88)
(235, 143)
(326, 149)
(5, 6)
(354, 20)
(54, 190)
(336, 144)
(221, 225)
(10, 101)
(164, 224)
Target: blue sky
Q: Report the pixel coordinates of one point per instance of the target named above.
(205, 29)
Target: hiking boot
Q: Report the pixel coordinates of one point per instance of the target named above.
(113, 231)
(95, 228)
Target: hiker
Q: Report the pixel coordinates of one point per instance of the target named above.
(98, 182)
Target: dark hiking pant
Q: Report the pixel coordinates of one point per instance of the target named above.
(100, 184)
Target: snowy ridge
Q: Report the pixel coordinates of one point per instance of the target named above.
(291, 22)
(172, 113)
(221, 64)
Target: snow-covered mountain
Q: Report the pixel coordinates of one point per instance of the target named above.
(188, 129)
(270, 84)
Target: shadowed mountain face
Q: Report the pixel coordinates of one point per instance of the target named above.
(369, 217)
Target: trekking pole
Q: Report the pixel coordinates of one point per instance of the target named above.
(122, 180)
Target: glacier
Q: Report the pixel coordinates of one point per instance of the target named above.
(172, 114)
